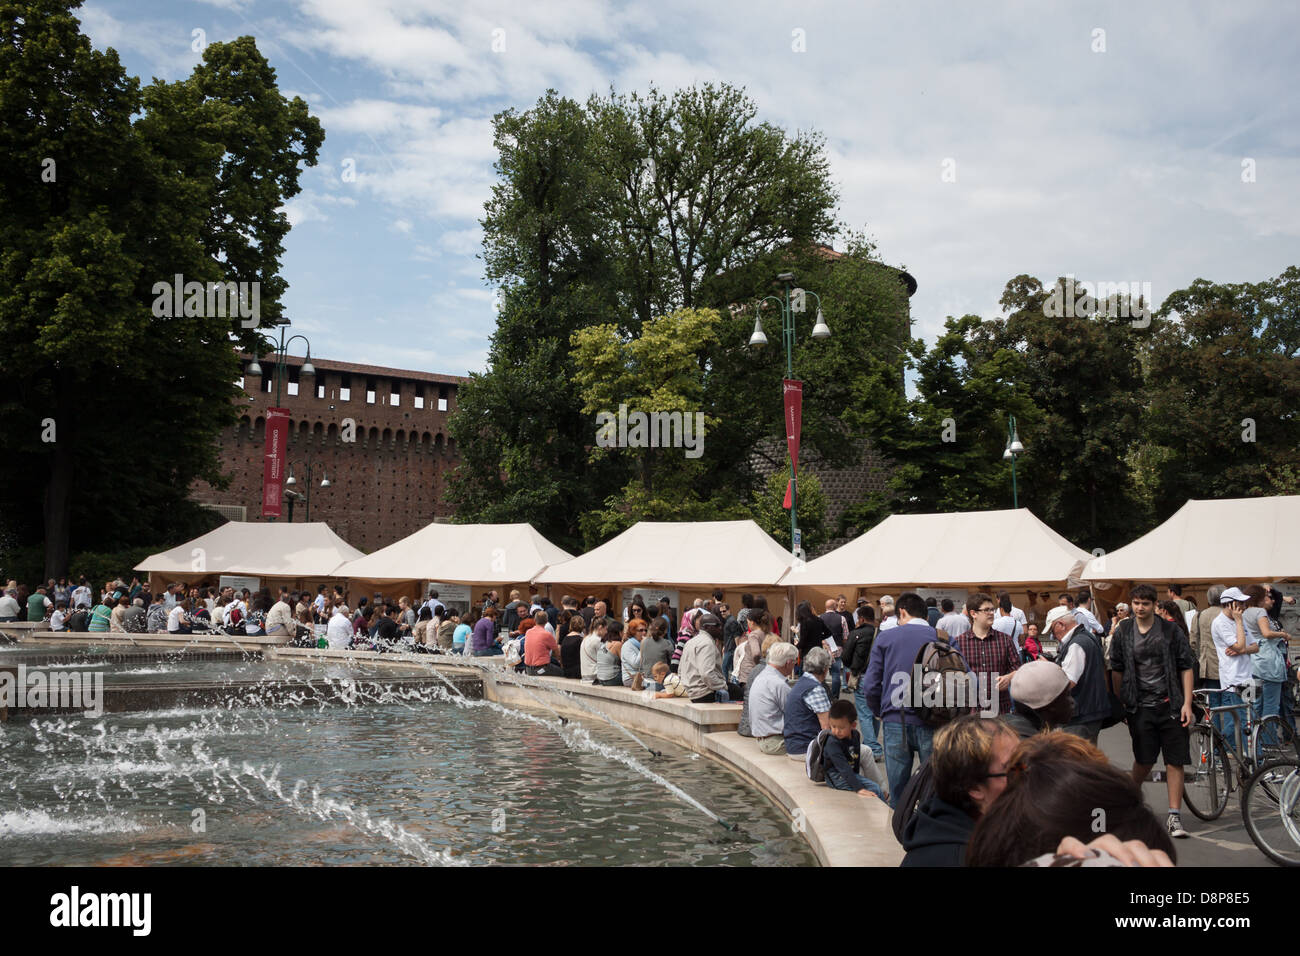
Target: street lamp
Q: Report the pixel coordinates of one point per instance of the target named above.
(291, 494)
(789, 304)
(1013, 450)
(281, 360)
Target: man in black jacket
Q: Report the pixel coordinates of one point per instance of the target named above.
(1151, 672)
(857, 652)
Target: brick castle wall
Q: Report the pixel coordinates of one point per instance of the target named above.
(385, 485)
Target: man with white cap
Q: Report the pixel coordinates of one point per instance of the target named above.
(1233, 652)
(1081, 659)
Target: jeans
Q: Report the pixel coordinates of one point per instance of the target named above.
(493, 651)
(1270, 702)
(868, 723)
(902, 742)
(837, 668)
(1229, 718)
(837, 782)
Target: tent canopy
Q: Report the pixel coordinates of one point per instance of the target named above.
(257, 548)
(679, 553)
(961, 550)
(460, 554)
(1227, 541)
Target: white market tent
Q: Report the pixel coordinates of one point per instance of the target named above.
(692, 558)
(1005, 549)
(1234, 541)
(461, 554)
(686, 554)
(265, 549)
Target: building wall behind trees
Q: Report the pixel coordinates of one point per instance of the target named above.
(385, 483)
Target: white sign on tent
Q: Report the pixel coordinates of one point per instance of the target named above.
(239, 581)
(650, 595)
(457, 594)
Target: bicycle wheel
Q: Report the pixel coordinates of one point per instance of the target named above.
(1205, 788)
(1270, 808)
(1276, 740)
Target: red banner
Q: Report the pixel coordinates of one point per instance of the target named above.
(277, 436)
(792, 394)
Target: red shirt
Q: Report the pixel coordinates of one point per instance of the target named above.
(538, 644)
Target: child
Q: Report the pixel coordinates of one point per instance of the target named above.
(842, 755)
(660, 673)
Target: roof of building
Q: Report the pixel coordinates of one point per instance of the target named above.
(356, 369)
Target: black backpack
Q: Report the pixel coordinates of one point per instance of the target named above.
(937, 660)
(918, 789)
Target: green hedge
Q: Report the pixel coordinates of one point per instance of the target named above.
(27, 565)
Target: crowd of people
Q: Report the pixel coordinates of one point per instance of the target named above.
(838, 694)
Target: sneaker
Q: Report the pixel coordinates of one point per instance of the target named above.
(1175, 825)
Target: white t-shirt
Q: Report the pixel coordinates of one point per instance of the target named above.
(9, 606)
(175, 619)
(587, 656)
(889, 623)
(81, 596)
(1233, 671)
(339, 631)
(56, 620)
(953, 624)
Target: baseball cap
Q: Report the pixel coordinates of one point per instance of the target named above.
(1233, 594)
(1038, 683)
(1055, 614)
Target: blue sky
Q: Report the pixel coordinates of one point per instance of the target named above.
(1122, 164)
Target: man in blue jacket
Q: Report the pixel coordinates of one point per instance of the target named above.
(888, 682)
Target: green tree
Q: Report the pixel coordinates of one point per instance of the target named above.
(1224, 388)
(658, 374)
(614, 213)
(768, 510)
(106, 190)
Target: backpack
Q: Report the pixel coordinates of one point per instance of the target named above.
(937, 660)
(813, 760)
(918, 789)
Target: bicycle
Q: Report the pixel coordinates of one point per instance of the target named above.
(1210, 778)
(1270, 808)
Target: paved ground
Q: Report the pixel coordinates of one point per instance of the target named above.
(1224, 842)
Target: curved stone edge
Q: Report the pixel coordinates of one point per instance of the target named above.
(842, 828)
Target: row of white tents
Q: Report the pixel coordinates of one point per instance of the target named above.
(1239, 540)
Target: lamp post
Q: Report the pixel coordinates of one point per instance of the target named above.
(281, 360)
(1013, 450)
(293, 494)
(790, 301)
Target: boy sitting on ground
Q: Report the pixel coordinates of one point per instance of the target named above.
(842, 754)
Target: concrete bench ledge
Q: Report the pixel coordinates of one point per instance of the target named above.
(149, 640)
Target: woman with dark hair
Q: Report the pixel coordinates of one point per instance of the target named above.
(609, 663)
(1269, 666)
(636, 609)
(1059, 785)
(811, 629)
(1172, 613)
(571, 646)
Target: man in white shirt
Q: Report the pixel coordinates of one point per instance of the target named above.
(1233, 651)
(1005, 620)
(176, 620)
(952, 623)
(9, 609)
(58, 620)
(339, 632)
(81, 596)
(1083, 612)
